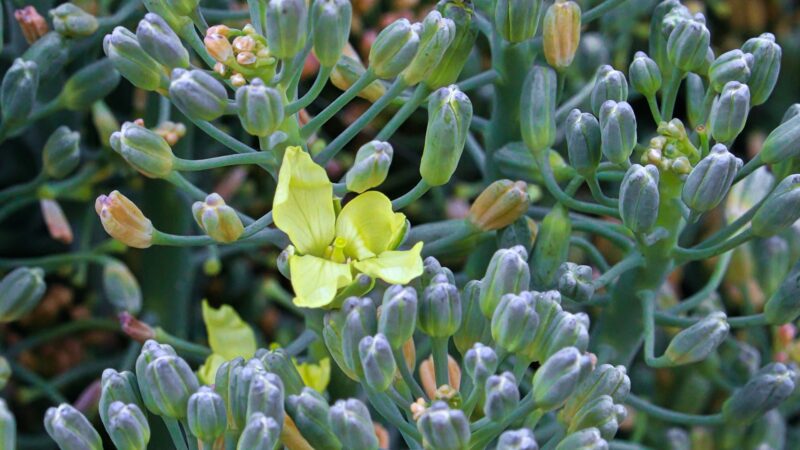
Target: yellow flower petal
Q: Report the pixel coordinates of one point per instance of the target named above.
(369, 225)
(316, 280)
(208, 371)
(228, 335)
(395, 267)
(316, 376)
(303, 206)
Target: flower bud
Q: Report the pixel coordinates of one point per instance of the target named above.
(265, 395)
(393, 49)
(330, 22)
(784, 305)
(217, 219)
(333, 335)
(377, 362)
(71, 21)
(783, 143)
(711, 179)
(645, 74)
(61, 153)
(609, 84)
(360, 321)
(280, 363)
(688, 44)
(260, 108)
(435, 36)
(370, 167)
(729, 112)
(696, 343)
(617, 131)
(206, 414)
(449, 116)
(182, 7)
(587, 439)
(457, 54)
(780, 209)
(561, 32)
(443, 428)
(150, 351)
(548, 308)
(522, 439)
(638, 198)
(8, 427)
(260, 433)
(18, 92)
(508, 273)
(224, 385)
(31, 23)
(351, 422)
(143, 149)
(347, 71)
(170, 382)
(117, 387)
(557, 378)
(127, 426)
(575, 282)
(583, 142)
(502, 396)
(517, 20)
(474, 326)
(538, 109)
(773, 384)
(310, 412)
(219, 47)
(696, 106)
(5, 374)
(240, 376)
(522, 232)
(514, 322)
(605, 380)
(50, 53)
(121, 288)
(765, 68)
(286, 27)
(398, 315)
(480, 362)
(600, 413)
(123, 220)
(20, 292)
(130, 59)
(439, 312)
(198, 94)
(157, 39)
(551, 248)
(730, 66)
(565, 330)
(70, 429)
(499, 205)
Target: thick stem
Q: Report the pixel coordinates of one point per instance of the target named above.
(440, 363)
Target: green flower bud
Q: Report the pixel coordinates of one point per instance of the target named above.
(377, 362)
(617, 131)
(784, 305)
(170, 382)
(240, 380)
(217, 219)
(474, 326)
(370, 167)
(711, 179)
(730, 66)
(606, 380)
(517, 20)
(561, 33)
(157, 39)
(121, 288)
(457, 54)
(150, 351)
(645, 74)
(310, 412)
(5, 374)
(660, 30)
(128, 57)
(522, 232)
(548, 308)
(50, 53)
(280, 363)
(182, 7)
(480, 362)
(783, 143)
(330, 22)
(780, 209)
(260, 108)
(638, 198)
(600, 413)
(696, 343)
(514, 322)
(8, 427)
(502, 396)
(127, 426)
(575, 281)
(265, 396)
(765, 68)
(772, 262)
(117, 387)
(773, 384)
(768, 432)
(20, 292)
(551, 248)
(332, 334)
(70, 429)
(696, 107)
(729, 112)
(508, 273)
(71, 21)
(206, 414)
(588, 439)
(443, 428)
(565, 330)
(198, 94)
(393, 49)
(435, 36)
(18, 92)
(538, 109)
(351, 422)
(166, 9)
(557, 378)
(398, 315)
(449, 116)
(286, 27)
(260, 433)
(583, 142)
(143, 149)
(609, 84)
(223, 385)
(348, 70)
(89, 84)
(360, 321)
(688, 44)
(430, 269)
(439, 312)
(522, 439)
(61, 153)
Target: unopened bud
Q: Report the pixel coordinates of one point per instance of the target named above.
(132, 61)
(443, 428)
(198, 94)
(538, 109)
(609, 84)
(617, 131)
(347, 71)
(393, 49)
(127, 426)
(434, 38)
(121, 288)
(310, 411)
(522, 439)
(260, 433)
(370, 167)
(20, 292)
(286, 27)
(783, 143)
(280, 363)
(457, 54)
(440, 308)
(61, 153)
(551, 248)
(784, 305)
(606, 380)
(688, 44)
(117, 387)
(765, 68)
(645, 74)
(32, 24)
(600, 413)
(160, 41)
(583, 142)
(502, 396)
(639, 198)
(772, 385)
(730, 66)
(480, 362)
(398, 315)
(711, 179)
(474, 326)
(170, 382)
(135, 328)
(217, 219)
(780, 209)
(562, 33)
(377, 361)
(351, 422)
(698, 341)
(575, 281)
(514, 322)
(70, 429)
(359, 322)
(517, 20)
(18, 92)
(219, 47)
(330, 21)
(588, 439)
(449, 116)
(71, 21)
(557, 378)
(729, 112)
(499, 205)
(89, 84)
(143, 149)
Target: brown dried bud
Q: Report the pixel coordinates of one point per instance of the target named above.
(57, 223)
(135, 328)
(32, 23)
(499, 205)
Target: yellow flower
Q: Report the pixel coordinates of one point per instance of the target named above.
(316, 376)
(228, 336)
(332, 247)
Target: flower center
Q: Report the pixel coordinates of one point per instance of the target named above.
(335, 251)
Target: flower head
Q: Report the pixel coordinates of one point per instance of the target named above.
(123, 220)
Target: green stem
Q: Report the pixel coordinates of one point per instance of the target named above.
(56, 261)
(477, 153)
(440, 360)
(174, 429)
(481, 437)
(411, 196)
(35, 380)
(222, 161)
(23, 188)
(479, 80)
(408, 108)
(552, 185)
(749, 168)
(181, 345)
(599, 10)
(592, 252)
(389, 411)
(320, 119)
(713, 283)
(442, 245)
(66, 329)
(671, 93)
(653, 104)
(597, 193)
(405, 373)
(630, 262)
(313, 92)
(673, 416)
(190, 439)
(650, 333)
(689, 254)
